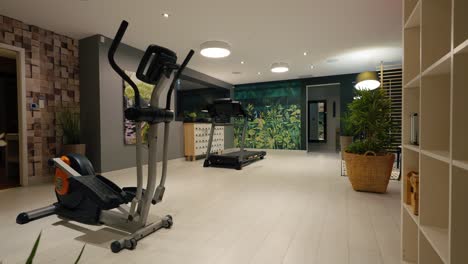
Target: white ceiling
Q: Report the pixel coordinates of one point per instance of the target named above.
(340, 36)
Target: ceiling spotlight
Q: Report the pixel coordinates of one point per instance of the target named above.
(367, 81)
(165, 15)
(312, 67)
(279, 67)
(215, 49)
(242, 62)
(259, 73)
(305, 53)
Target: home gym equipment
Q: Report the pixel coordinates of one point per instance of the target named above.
(221, 112)
(93, 199)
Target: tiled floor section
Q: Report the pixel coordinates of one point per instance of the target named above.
(290, 208)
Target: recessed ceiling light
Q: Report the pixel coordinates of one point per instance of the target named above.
(242, 62)
(215, 49)
(312, 67)
(279, 67)
(236, 72)
(165, 15)
(259, 73)
(305, 53)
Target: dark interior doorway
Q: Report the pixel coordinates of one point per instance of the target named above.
(9, 137)
(318, 121)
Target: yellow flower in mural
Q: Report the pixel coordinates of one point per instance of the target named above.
(3, 143)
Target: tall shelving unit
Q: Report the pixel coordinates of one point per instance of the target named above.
(435, 85)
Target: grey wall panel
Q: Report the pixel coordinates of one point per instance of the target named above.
(89, 97)
(102, 106)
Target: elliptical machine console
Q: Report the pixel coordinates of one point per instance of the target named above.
(88, 198)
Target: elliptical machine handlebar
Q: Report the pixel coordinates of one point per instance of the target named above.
(115, 44)
(176, 77)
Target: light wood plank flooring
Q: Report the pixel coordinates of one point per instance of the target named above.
(290, 208)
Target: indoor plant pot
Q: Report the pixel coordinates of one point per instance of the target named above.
(345, 141)
(70, 123)
(369, 172)
(368, 163)
(74, 148)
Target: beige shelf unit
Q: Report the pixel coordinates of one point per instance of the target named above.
(435, 77)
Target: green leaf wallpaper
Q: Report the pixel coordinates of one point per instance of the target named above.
(277, 115)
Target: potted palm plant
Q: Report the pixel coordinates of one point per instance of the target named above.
(70, 124)
(368, 163)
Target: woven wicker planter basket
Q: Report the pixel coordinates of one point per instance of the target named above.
(369, 172)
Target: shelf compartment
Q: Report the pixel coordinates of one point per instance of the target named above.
(462, 48)
(410, 163)
(460, 21)
(438, 238)
(435, 110)
(436, 27)
(413, 83)
(414, 19)
(411, 147)
(459, 227)
(440, 155)
(427, 253)
(413, 216)
(461, 164)
(434, 203)
(411, 54)
(409, 238)
(460, 108)
(440, 67)
(411, 105)
(409, 7)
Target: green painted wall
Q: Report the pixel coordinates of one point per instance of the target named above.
(276, 108)
(281, 96)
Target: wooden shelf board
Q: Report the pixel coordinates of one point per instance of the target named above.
(462, 48)
(413, 216)
(442, 66)
(411, 147)
(441, 155)
(413, 83)
(414, 19)
(438, 238)
(407, 262)
(462, 164)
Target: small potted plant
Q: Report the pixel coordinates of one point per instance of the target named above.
(70, 124)
(368, 163)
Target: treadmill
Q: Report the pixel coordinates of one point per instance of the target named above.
(221, 111)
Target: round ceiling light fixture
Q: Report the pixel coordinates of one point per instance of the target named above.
(215, 49)
(367, 81)
(279, 67)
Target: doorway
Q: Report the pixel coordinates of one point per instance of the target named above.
(9, 144)
(13, 153)
(317, 121)
(323, 117)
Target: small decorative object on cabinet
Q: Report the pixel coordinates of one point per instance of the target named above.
(196, 137)
(414, 129)
(412, 191)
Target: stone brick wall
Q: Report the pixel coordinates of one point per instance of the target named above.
(52, 76)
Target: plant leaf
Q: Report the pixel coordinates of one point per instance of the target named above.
(34, 249)
(81, 253)
(2, 135)
(3, 143)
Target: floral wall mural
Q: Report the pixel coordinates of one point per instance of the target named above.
(276, 111)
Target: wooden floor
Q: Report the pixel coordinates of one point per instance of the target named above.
(290, 208)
